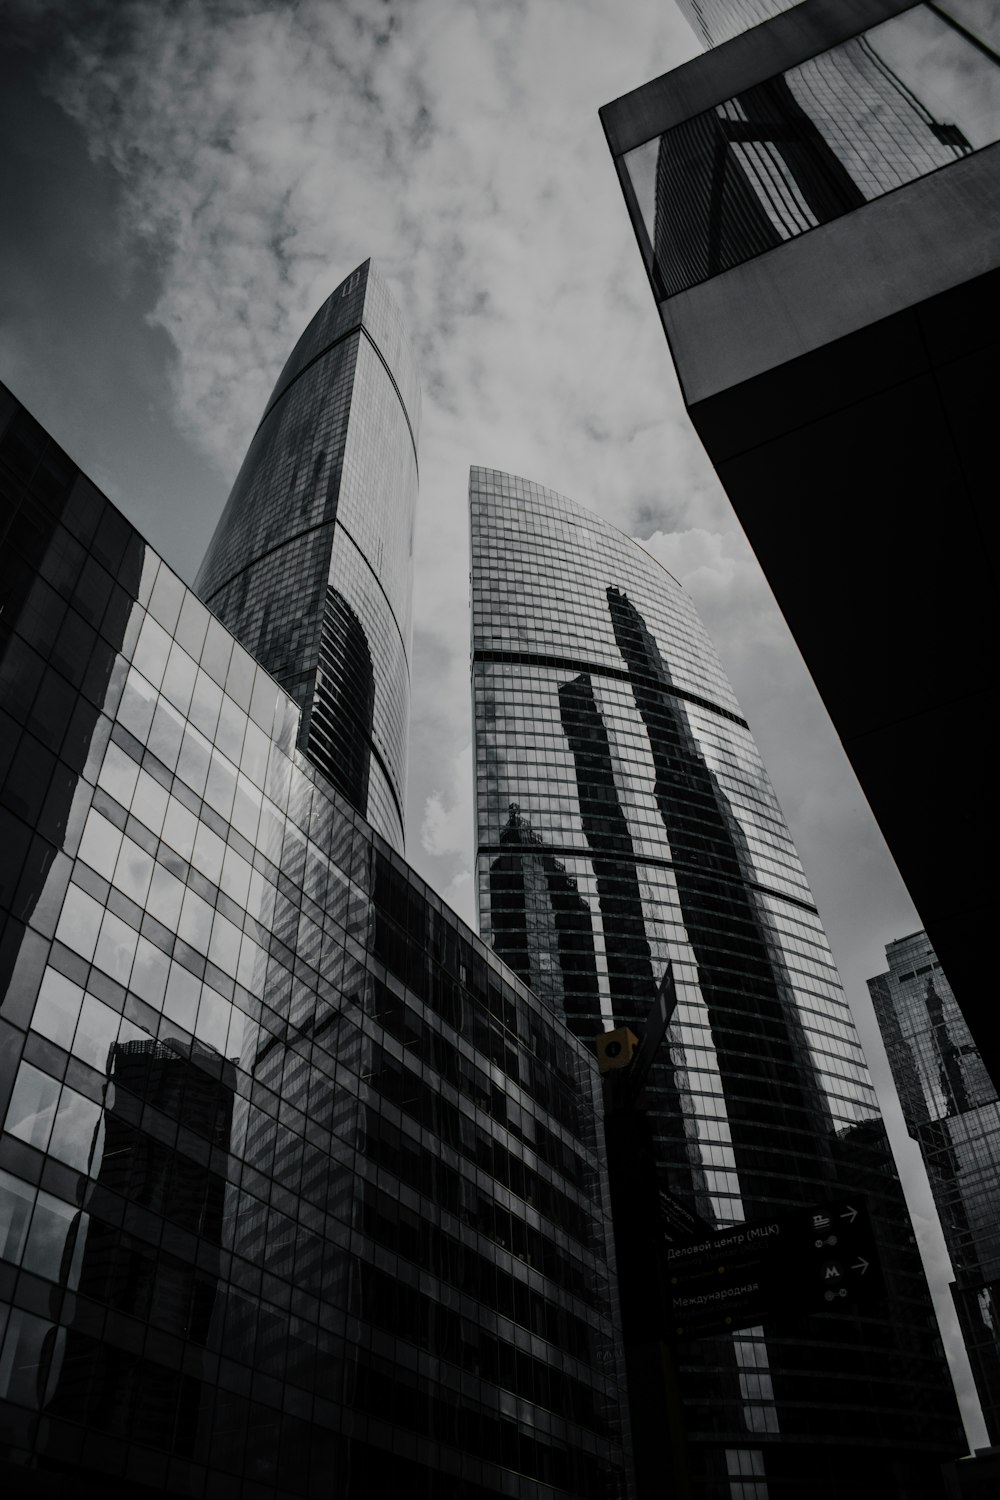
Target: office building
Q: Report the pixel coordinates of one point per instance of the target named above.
(624, 821)
(311, 563)
(951, 1110)
(301, 1191)
(814, 200)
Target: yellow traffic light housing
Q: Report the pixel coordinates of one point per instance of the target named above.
(615, 1049)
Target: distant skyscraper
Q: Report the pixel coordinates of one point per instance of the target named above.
(310, 565)
(951, 1110)
(624, 820)
(811, 203)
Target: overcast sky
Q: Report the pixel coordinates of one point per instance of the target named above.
(185, 183)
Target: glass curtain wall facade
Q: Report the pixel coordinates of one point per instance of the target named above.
(951, 1110)
(311, 562)
(715, 21)
(301, 1191)
(809, 145)
(624, 821)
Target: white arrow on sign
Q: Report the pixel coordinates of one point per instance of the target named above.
(860, 1265)
(850, 1215)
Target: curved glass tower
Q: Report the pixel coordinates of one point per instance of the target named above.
(310, 565)
(624, 820)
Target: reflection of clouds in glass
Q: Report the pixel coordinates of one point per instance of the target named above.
(50, 1226)
(97, 1031)
(80, 922)
(57, 1008)
(32, 1106)
(116, 948)
(954, 80)
(74, 1132)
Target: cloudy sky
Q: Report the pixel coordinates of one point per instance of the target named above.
(185, 182)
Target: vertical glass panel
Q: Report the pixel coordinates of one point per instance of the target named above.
(21, 1370)
(165, 600)
(181, 1001)
(51, 1224)
(137, 705)
(192, 767)
(57, 1008)
(220, 789)
(119, 774)
(133, 871)
(205, 704)
(166, 894)
(116, 947)
(179, 678)
(235, 877)
(152, 650)
(224, 949)
(149, 973)
(166, 733)
(76, 1131)
(231, 731)
(246, 808)
(149, 804)
(213, 1019)
(179, 828)
(195, 925)
(32, 1107)
(100, 844)
(96, 1033)
(80, 922)
(16, 1201)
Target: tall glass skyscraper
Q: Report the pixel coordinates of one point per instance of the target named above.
(310, 566)
(301, 1191)
(624, 821)
(951, 1110)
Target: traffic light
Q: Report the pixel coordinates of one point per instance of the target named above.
(615, 1049)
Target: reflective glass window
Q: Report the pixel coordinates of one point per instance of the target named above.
(32, 1107)
(80, 922)
(57, 1008)
(17, 1199)
(76, 1131)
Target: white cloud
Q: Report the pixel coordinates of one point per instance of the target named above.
(447, 815)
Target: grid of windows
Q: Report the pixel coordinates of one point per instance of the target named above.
(839, 130)
(624, 820)
(310, 565)
(951, 1109)
(300, 1191)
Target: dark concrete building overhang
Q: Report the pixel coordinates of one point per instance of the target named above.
(844, 385)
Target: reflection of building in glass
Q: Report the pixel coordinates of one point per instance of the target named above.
(541, 924)
(786, 154)
(809, 202)
(951, 1110)
(171, 1285)
(310, 563)
(301, 1191)
(602, 712)
(42, 688)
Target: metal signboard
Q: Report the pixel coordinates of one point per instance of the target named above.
(810, 1260)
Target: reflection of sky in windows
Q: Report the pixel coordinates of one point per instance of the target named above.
(193, 870)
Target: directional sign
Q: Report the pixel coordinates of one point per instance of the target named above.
(811, 1260)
